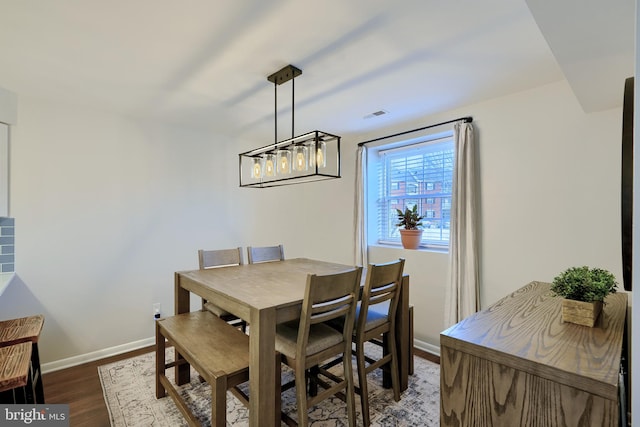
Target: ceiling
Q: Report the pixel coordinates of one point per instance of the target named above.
(204, 63)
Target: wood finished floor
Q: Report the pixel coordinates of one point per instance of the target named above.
(80, 388)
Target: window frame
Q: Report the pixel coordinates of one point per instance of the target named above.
(380, 231)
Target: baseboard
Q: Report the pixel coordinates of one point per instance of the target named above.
(425, 346)
(95, 355)
(123, 348)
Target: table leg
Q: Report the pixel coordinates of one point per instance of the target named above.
(182, 305)
(262, 371)
(403, 341)
(403, 335)
(411, 346)
(160, 362)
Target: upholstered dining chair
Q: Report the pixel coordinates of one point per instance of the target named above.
(305, 343)
(217, 258)
(375, 319)
(375, 323)
(265, 253)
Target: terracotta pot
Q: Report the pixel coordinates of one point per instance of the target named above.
(581, 313)
(411, 238)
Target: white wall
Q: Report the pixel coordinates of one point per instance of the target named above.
(549, 191)
(107, 208)
(550, 180)
(8, 107)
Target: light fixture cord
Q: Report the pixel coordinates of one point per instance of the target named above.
(275, 110)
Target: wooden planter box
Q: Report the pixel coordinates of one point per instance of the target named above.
(581, 313)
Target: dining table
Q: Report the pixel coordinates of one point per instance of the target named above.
(265, 294)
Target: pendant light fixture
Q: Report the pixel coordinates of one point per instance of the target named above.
(309, 157)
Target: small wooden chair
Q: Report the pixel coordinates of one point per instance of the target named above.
(26, 329)
(216, 349)
(217, 258)
(265, 253)
(305, 343)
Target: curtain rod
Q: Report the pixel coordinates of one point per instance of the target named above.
(467, 119)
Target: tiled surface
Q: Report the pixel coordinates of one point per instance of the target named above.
(7, 245)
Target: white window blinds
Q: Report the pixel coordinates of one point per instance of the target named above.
(418, 174)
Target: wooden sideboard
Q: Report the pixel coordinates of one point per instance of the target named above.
(517, 364)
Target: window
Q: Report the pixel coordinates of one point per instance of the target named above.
(412, 188)
(418, 173)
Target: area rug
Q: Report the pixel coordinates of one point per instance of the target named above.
(129, 393)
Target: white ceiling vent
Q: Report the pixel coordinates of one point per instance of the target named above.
(376, 114)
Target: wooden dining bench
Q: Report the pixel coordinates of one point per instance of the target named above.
(216, 349)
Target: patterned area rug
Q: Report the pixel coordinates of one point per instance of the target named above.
(129, 393)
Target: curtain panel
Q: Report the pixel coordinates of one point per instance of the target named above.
(462, 293)
(360, 217)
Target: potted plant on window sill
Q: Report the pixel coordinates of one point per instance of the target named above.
(411, 234)
(583, 290)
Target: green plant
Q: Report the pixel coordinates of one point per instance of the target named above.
(584, 284)
(409, 219)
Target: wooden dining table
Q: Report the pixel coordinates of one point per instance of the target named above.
(264, 295)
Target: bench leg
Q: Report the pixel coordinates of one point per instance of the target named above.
(160, 361)
(219, 402)
(37, 374)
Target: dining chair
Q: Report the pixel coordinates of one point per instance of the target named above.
(258, 254)
(375, 319)
(303, 344)
(217, 258)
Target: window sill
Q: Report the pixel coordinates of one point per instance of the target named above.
(421, 249)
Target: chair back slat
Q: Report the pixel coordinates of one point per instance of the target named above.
(328, 310)
(219, 257)
(265, 253)
(383, 293)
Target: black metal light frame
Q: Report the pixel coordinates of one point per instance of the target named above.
(317, 145)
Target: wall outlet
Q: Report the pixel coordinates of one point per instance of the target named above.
(156, 310)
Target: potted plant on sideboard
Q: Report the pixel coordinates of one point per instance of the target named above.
(410, 234)
(584, 291)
